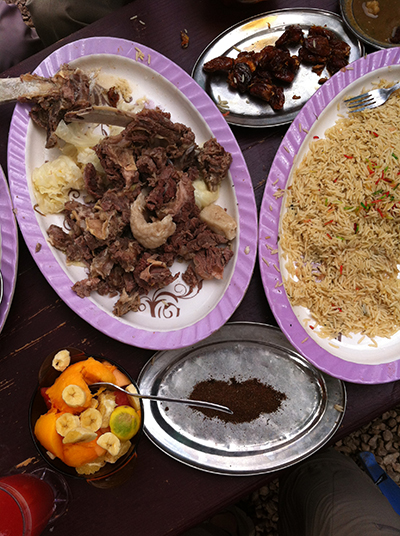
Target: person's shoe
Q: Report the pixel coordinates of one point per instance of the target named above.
(230, 522)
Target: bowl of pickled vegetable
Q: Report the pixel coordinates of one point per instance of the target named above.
(81, 432)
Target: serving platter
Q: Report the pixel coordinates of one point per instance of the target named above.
(354, 359)
(253, 34)
(8, 248)
(172, 317)
(313, 410)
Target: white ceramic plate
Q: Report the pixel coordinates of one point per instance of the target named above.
(348, 359)
(170, 317)
(8, 249)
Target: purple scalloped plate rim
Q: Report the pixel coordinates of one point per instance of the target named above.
(50, 268)
(8, 248)
(270, 218)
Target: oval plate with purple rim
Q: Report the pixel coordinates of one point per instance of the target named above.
(356, 359)
(171, 317)
(8, 249)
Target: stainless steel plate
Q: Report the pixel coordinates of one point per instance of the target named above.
(254, 34)
(306, 420)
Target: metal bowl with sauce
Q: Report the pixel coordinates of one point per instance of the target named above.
(375, 22)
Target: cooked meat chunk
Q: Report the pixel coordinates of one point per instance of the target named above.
(143, 215)
(278, 99)
(210, 263)
(85, 287)
(75, 248)
(118, 161)
(340, 48)
(395, 37)
(75, 91)
(156, 275)
(153, 128)
(165, 188)
(102, 264)
(126, 252)
(322, 31)
(272, 59)
(94, 182)
(126, 303)
(240, 77)
(220, 64)
(262, 88)
(308, 57)
(191, 279)
(318, 46)
(182, 201)
(214, 163)
(292, 36)
(335, 63)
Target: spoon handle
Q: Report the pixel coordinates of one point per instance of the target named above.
(199, 403)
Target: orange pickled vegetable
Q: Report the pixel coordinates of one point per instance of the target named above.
(77, 454)
(45, 431)
(71, 376)
(94, 371)
(82, 373)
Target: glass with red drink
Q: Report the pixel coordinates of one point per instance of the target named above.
(29, 501)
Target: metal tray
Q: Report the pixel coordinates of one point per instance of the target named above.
(254, 34)
(310, 415)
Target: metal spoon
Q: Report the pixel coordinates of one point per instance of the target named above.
(189, 402)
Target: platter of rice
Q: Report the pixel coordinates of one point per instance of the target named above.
(329, 231)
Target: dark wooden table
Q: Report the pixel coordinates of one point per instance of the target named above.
(164, 496)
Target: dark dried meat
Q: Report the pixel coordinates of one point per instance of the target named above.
(292, 36)
(266, 73)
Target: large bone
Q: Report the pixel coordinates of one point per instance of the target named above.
(25, 88)
(106, 115)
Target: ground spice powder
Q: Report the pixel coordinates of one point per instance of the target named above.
(247, 399)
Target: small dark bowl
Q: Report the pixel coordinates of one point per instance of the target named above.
(112, 474)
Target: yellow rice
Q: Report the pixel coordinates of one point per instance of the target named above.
(340, 235)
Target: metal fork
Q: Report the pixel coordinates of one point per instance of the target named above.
(371, 99)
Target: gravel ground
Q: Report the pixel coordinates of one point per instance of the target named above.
(381, 436)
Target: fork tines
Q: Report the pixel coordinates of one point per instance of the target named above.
(364, 98)
(361, 102)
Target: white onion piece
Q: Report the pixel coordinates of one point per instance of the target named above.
(368, 13)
